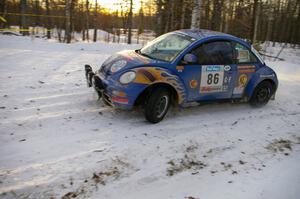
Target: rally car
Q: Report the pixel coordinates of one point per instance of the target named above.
(181, 67)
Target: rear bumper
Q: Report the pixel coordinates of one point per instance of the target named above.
(108, 89)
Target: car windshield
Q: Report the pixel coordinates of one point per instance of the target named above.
(166, 47)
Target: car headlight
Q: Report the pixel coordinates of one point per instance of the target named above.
(117, 65)
(127, 77)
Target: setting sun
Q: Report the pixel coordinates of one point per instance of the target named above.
(114, 5)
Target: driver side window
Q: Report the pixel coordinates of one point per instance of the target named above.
(214, 53)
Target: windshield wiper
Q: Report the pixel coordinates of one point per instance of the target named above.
(138, 51)
(145, 55)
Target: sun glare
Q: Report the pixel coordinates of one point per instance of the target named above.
(115, 5)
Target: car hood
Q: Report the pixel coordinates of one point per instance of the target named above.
(132, 58)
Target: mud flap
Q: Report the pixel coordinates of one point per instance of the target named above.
(89, 75)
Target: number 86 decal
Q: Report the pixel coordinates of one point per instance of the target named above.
(213, 78)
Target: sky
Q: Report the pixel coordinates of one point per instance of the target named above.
(114, 5)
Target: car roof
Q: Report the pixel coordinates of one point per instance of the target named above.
(200, 34)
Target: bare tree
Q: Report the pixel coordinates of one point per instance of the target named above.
(48, 20)
(255, 18)
(95, 21)
(183, 12)
(130, 22)
(140, 22)
(216, 15)
(196, 14)
(297, 25)
(3, 10)
(270, 25)
(159, 18)
(68, 21)
(24, 26)
(87, 13)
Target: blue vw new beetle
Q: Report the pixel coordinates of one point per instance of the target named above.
(181, 67)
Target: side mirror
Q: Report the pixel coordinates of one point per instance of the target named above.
(190, 58)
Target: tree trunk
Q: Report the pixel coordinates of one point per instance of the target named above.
(216, 16)
(168, 15)
(68, 22)
(275, 35)
(37, 12)
(59, 34)
(256, 13)
(130, 23)
(24, 25)
(182, 22)
(207, 15)
(196, 15)
(297, 24)
(141, 20)
(172, 15)
(269, 28)
(289, 29)
(48, 20)
(223, 16)
(159, 27)
(3, 9)
(95, 21)
(83, 34)
(87, 19)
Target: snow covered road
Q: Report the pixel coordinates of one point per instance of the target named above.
(56, 140)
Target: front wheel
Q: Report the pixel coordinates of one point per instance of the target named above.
(157, 105)
(261, 94)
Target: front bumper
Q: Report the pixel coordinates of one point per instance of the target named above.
(111, 92)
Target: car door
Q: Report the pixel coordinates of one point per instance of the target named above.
(214, 72)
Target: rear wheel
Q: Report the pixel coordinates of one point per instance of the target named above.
(157, 105)
(261, 94)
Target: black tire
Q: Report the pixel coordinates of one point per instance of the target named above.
(261, 94)
(157, 104)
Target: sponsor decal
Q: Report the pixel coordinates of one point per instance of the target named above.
(213, 68)
(150, 75)
(179, 68)
(238, 90)
(193, 83)
(212, 78)
(243, 80)
(227, 79)
(227, 68)
(246, 69)
(147, 74)
(211, 89)
(243, 55)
